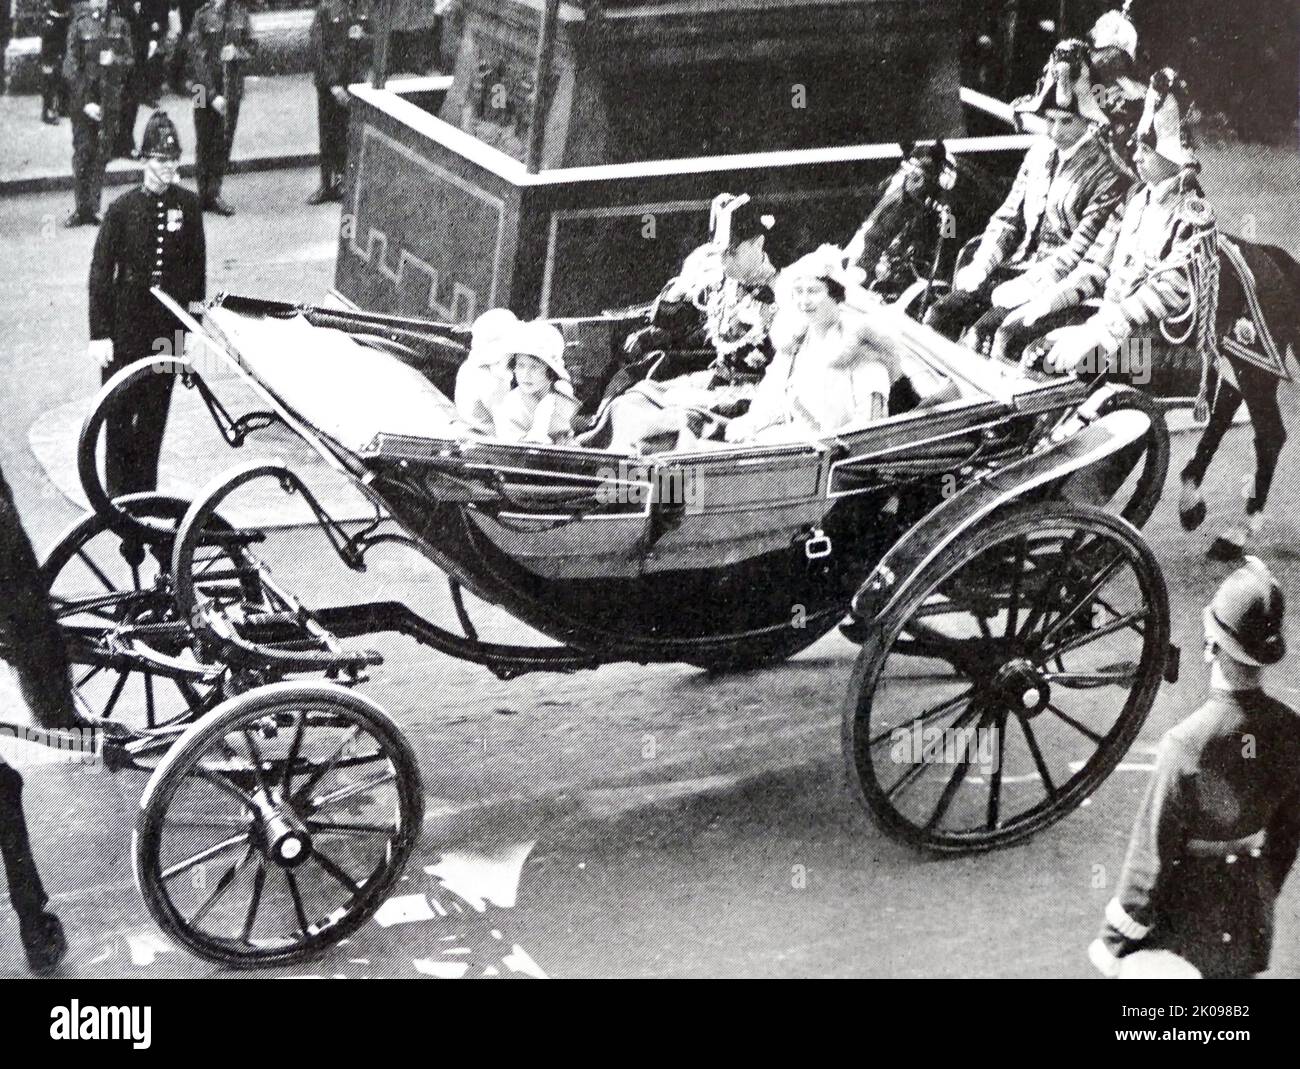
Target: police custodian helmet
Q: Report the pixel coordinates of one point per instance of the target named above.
(1245, 617)
(161, 137)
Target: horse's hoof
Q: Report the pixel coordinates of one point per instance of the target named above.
(1192, 518)
(1225, 550)
(45, 943)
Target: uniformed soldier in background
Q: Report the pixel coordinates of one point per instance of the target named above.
(1066, 190)
(1218, 829)
(178, 62)
(97, 64)
(54, 46)
(30, 640)
(342, 45)
(148, 21)
(152, 236)
(221, 41)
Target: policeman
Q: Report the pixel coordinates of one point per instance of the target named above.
(179, 59)
(98, 62)
(31, 642)
(54, 46)
(1218, 829)
(1157, 262)
(220, 42)
(342, 44)
(148, 22)
(152, 236)
(1066, 190)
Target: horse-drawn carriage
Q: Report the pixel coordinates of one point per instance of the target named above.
(983, 551)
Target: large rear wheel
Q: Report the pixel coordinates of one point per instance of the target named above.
(1008, 679)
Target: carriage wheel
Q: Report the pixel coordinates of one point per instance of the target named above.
(1010, 677)
(99, 580)
(277, 824)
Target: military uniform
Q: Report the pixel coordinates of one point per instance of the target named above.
(1142, 269)
(179, 59)
(148, 239)
(1058, 204)
(1214, 840)
(220, 42)
(98, 63)
(54, 46)
(148, 22)
(343, 45)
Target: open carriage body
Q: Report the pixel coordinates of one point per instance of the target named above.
(983, 551)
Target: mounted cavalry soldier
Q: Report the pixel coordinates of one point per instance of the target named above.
(1067, 189)
(152, 236)
(96, 67)
(1154, 267)
(1218, 829)
(342, 44)
(220, 42)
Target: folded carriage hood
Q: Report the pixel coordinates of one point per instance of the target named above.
(1064, 454)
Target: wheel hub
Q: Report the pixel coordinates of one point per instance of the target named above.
(1021, 687)
(284, 838)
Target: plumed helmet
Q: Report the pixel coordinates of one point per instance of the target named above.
(1066, 85)
(733, 219)
(161, 137)
(1165, 126)
(1116, 29)
(1246, 616)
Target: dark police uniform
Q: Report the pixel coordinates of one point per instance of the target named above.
(1214, 841)
(148, 239)
(179, 60)
(30, 641)
(97, 64)
(343, 47)
(217, 25)
(54, 46)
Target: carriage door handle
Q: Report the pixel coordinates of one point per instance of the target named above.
(817, 545)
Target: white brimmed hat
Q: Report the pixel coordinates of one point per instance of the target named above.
(487, 335)
(827, 263)
(1164, 126)
(545, 342)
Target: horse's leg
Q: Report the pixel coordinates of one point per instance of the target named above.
(1191, 504)
(1259, 388)
(42, 934)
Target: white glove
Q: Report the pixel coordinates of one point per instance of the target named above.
(340, 94)
(1012, 293)
(219, 105)
(153, 47)
(1085, 348)
(968, 279)
(100, 350)
(94, 112)
(228, 53)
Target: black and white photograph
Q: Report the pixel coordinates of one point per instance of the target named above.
(591, 489)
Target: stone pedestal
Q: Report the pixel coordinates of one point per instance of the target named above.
(693, 78)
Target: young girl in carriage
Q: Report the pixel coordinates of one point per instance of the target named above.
(540, 404)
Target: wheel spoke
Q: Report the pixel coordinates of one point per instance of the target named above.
(295, 745)
(1122, 623)
(113, 696)
(255, 753)
(223, 885)
(204, 855)
(1094, 589)
(336, 828)
(324, 770)
(1047, 596)
(96, 571)
(344, 793)
(334, 870)
(150, 712)
(995, 779)
(1013, 600)
(1037, 754)
(915, 770)
(94, 671)
(250, 918)
(947, 705)
(221, 783)
(1082, 728)
(950, 788)
(1092, 679)
(296, 895)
